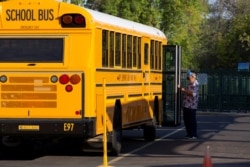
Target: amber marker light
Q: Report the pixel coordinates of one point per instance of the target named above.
(75, 79)
(67, 19)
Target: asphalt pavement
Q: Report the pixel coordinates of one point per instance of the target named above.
(226, 134)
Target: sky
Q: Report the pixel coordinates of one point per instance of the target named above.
(211, 1)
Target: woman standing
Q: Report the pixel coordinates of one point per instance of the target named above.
(190, 104)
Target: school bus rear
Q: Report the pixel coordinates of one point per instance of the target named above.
(41, 71)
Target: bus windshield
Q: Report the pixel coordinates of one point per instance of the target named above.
(36, 50)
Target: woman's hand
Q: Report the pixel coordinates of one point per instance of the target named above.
(179, 87)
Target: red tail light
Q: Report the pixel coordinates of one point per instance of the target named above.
(72, 20)
(64, 79)
(79, 19)
(78, 112)
(69, 88)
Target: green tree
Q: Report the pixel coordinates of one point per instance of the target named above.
(211, 36)
(92, 4)
(238, 38)
(181, 21)
(142, 11)
(110, 7)
(225, 37)
(76, 2)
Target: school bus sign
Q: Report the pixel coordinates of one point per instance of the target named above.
(29, 15)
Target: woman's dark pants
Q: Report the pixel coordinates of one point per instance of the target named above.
(189, 116)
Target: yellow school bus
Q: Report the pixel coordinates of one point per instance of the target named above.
(62, 67)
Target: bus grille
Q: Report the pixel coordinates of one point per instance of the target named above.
(28, 92)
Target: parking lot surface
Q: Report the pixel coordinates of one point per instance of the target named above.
(227, 135)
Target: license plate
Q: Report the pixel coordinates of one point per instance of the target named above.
(29, 127)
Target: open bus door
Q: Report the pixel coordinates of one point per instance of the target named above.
(171, 97)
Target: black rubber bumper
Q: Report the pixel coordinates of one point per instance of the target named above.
(83, 127)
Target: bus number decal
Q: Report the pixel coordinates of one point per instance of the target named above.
(126, 77)
(68, 127)
(29, 15)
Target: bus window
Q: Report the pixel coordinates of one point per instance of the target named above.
(156, 54)
(118, 49)
(36, 50)
(129, 51)
(124, 52)
(112, 49)
(146, 54)
(105, 48)
(134, 51)
(160, 55)
(139, 52)
(152, 48)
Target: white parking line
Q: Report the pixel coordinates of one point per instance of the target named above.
(144, 146)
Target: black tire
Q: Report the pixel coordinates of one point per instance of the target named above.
(156, 111)
(149, 131)
(116, 135)
(23, 150)
(150, 128)
(116, 143)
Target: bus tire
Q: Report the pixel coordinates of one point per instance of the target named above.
(156, 111)
(149, 131)
(16, 147)
(116, 135)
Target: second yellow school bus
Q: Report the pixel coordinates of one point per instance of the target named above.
(63, 66)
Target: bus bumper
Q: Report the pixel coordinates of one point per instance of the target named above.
(55, 127)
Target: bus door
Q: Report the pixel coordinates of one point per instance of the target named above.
(171, 97)
(146, 69)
